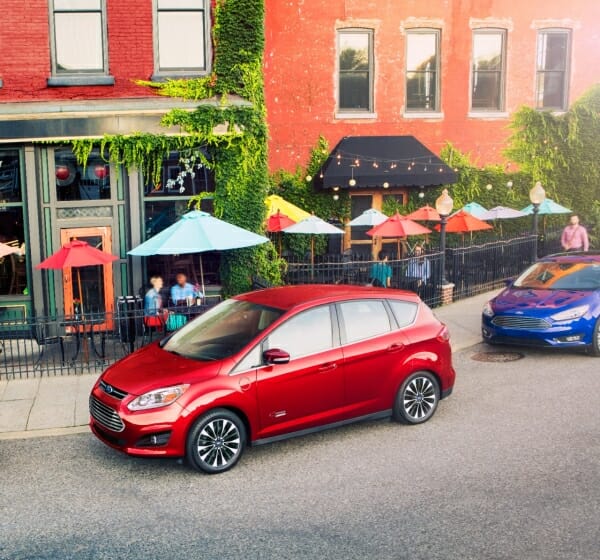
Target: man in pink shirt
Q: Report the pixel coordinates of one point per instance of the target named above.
(574, 236)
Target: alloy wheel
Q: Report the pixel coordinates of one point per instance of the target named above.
(419, 398)
(219, 443)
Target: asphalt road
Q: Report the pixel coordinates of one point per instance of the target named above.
(509, 468)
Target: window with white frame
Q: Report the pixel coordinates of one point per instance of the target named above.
(78, 34)
(181, 36)
(422, 70)
(488, 67)
(355, 70)
(552, 68)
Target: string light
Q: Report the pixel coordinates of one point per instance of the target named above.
(308, 178)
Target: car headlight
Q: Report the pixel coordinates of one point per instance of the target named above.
(157, 398)
(573, 313)
(488, 310)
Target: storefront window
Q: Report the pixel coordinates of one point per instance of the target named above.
(75, 182)
(13, 251)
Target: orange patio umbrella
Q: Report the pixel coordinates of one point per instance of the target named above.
(425, 214)
(463, 222)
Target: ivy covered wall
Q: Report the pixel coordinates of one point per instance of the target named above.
(232, 125)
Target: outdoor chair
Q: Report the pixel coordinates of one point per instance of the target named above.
(46, 335)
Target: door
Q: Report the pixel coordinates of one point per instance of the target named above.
(374, 352)
(89, 289)
(307, 391)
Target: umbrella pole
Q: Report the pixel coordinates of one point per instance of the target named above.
(312, 257)
(80, 290)
(202, 278)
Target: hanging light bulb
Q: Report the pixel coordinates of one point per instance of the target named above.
(352, 181)
(336, 197)
(509, 184)
(386, 185)
(308, 178)
(421, 195)
(488, 187)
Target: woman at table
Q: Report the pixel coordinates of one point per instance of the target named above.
(154, 314)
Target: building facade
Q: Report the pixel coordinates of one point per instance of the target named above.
(442, 70)
(68, 71)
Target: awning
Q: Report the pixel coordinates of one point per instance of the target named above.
(358, 162)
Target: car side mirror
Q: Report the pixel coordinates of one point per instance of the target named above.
(276, 356)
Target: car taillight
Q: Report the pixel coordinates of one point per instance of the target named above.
(444, 334)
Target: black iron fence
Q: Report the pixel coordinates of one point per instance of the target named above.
(60, 345)
(71, 345)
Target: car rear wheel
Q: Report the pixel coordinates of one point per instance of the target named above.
(595, 345)
(216, 441)
(417, 399)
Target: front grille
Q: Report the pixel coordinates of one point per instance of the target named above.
(112, 391)
(105, 415)
(519, 322)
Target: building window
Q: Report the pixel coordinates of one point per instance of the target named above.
(79, 182)
(422, 70)
(553, 47)
(13, 260)
(487, 78)
(355, 48)
(78, 32)
(181, 36)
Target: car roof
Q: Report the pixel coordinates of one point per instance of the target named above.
(288, 297)
(576, 257)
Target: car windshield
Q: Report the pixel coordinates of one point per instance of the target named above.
(560, 276)
(222, 331)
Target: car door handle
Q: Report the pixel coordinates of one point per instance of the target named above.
(396, 347)
(327, 367)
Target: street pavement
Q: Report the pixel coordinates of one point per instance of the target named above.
(47, 406)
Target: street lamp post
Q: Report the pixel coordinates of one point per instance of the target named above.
(537, 195)
(443, 205)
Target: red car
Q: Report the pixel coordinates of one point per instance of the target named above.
(272, 364)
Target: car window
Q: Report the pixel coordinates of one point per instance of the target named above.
(251, 360)
(309, 332)
(404, 311)
(560, 276)
(222, 331)
(364, 319)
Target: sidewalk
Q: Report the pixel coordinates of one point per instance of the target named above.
(59, 405)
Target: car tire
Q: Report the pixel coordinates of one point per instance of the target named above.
(417, 399)
(594, 348)
(216, 441)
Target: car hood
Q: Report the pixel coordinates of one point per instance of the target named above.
(517, 299)
(152, 367)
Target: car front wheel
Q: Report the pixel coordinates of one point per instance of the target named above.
(216, 441)
(417, 399)
(595, 345)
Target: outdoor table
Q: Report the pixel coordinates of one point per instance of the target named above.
(78, 325)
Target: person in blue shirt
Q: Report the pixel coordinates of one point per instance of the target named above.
(153, 303)
(381, 272)
(418, 271)
(183, 290)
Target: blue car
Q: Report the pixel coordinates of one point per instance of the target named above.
(554, 303)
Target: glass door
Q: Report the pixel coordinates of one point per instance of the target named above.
(89, 289)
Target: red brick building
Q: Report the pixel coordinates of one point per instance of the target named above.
(441, 70)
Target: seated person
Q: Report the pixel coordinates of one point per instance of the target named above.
(183, 290)
(154, 314)
(381, 272)
(418, 270)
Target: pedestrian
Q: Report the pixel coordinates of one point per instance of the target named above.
(381, 272)
(574, 236)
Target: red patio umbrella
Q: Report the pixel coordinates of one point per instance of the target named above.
(425, 214)
(398, 226)
(75, 255)
(278, 221)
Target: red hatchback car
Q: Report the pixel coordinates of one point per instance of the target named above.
(272, 364)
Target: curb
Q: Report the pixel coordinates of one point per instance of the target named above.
(50, 432)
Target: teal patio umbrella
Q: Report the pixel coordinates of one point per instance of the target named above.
(547, 207)
(198, 232)
(474, 208)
